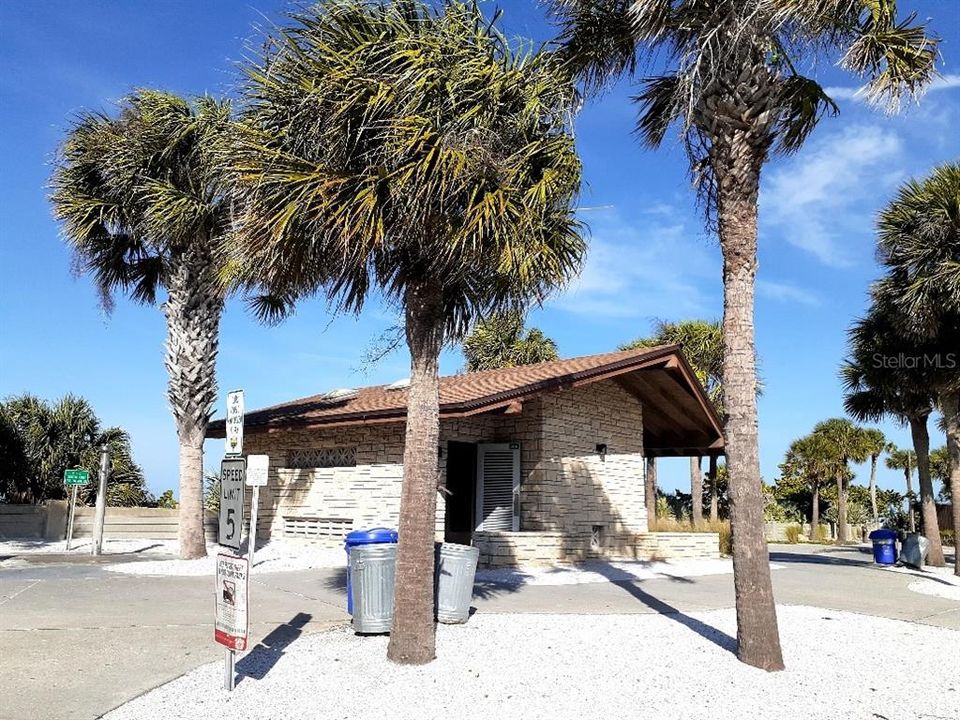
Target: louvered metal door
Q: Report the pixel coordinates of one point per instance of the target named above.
(498, 486)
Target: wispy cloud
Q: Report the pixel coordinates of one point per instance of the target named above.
(823, 197)
(858, 94)
(786, 292)
(656, 265)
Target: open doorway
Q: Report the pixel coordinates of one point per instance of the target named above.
(461, 486)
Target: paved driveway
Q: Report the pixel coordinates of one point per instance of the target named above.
(76, 640)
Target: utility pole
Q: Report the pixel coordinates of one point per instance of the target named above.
(101, 510)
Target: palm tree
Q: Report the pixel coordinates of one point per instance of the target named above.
(810, 460)
(845, 442)
(142, 205)
(702, 344)
(413, 150)
(732, 86)
(874, 389)
(919, 243)
(876, 443)
(905, 460)
(502, 341)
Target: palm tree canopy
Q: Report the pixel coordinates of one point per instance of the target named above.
(503, 341)
(919, 244)
(702, 345)
(900, 458)
(843, 440)
(137, 190)
(400, 146)
(811, 460)
(736, 65)
(877, 376)
(875, 441)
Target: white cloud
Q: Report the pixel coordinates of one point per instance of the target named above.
(822, 199)
(858, 94)
(786, 292)
(657, 266)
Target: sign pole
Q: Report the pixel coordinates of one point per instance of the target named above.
(229, 658)
(101, 510)
(73, 505)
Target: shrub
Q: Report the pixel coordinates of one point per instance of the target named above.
(726, 539)
(793, 534)
(946, 537)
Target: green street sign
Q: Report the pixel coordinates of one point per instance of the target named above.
(76, 477)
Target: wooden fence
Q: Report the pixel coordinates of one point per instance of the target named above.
(49, 521)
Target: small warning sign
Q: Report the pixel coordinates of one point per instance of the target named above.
(230, 628)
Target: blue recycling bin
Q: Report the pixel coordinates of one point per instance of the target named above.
(374, 536)
(884, 546)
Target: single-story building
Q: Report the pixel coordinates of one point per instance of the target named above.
(538, 463)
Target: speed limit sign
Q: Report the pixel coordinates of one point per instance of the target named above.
(232, 472)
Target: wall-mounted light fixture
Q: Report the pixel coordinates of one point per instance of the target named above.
(602, 451)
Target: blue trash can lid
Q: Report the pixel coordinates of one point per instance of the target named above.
(883, 534)
(371, 537)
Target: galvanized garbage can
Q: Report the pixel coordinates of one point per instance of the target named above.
(372, 572)
(455, 572)
(913, 550)
(364, 537)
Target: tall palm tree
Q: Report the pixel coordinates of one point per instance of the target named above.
(732, 86)
(876, 443)
(702, 344)
(502, 341)
(143, 206)
(904, 460)
(919, 244)
(845, 443)
(903, 391)
(410, 149)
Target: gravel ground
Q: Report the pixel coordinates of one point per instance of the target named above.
(613, 571)
(273, 556)
(839, 665)
(938, 581)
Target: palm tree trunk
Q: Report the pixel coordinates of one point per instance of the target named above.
(412, 638)
(650, 491)
(193, 309)
(950, 405)
(696, 490)
(910, 514)
(737, 169)
(873, 487)
(815, 515)
(841, 509)
(714, 500)
(928, 508)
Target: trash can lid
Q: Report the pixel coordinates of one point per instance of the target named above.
(883, 534)
(371, 537)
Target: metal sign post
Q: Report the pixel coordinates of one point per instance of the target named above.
(101, 510)
(258, 468)
(73, 479)
(231, 622)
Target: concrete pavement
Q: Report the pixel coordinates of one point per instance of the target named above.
(76, 640)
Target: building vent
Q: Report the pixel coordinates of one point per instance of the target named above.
(322, 458)
(316, 527)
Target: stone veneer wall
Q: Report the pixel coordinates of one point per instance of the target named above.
(505, 549)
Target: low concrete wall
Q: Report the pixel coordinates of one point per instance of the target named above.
(504, 549)
(49, 521)
(776, 532)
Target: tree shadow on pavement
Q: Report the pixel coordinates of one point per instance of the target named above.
(717, 637)
(817, 559)
(259, 661)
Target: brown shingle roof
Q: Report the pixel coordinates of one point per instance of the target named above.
(464, 394)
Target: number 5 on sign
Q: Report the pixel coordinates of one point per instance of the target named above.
(232, 472)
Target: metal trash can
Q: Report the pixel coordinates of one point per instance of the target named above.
(372, 572)
(374, 536)
(913, 551)
(884, 546)
(456, 568)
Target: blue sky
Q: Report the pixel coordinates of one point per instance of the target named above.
(649, 255)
